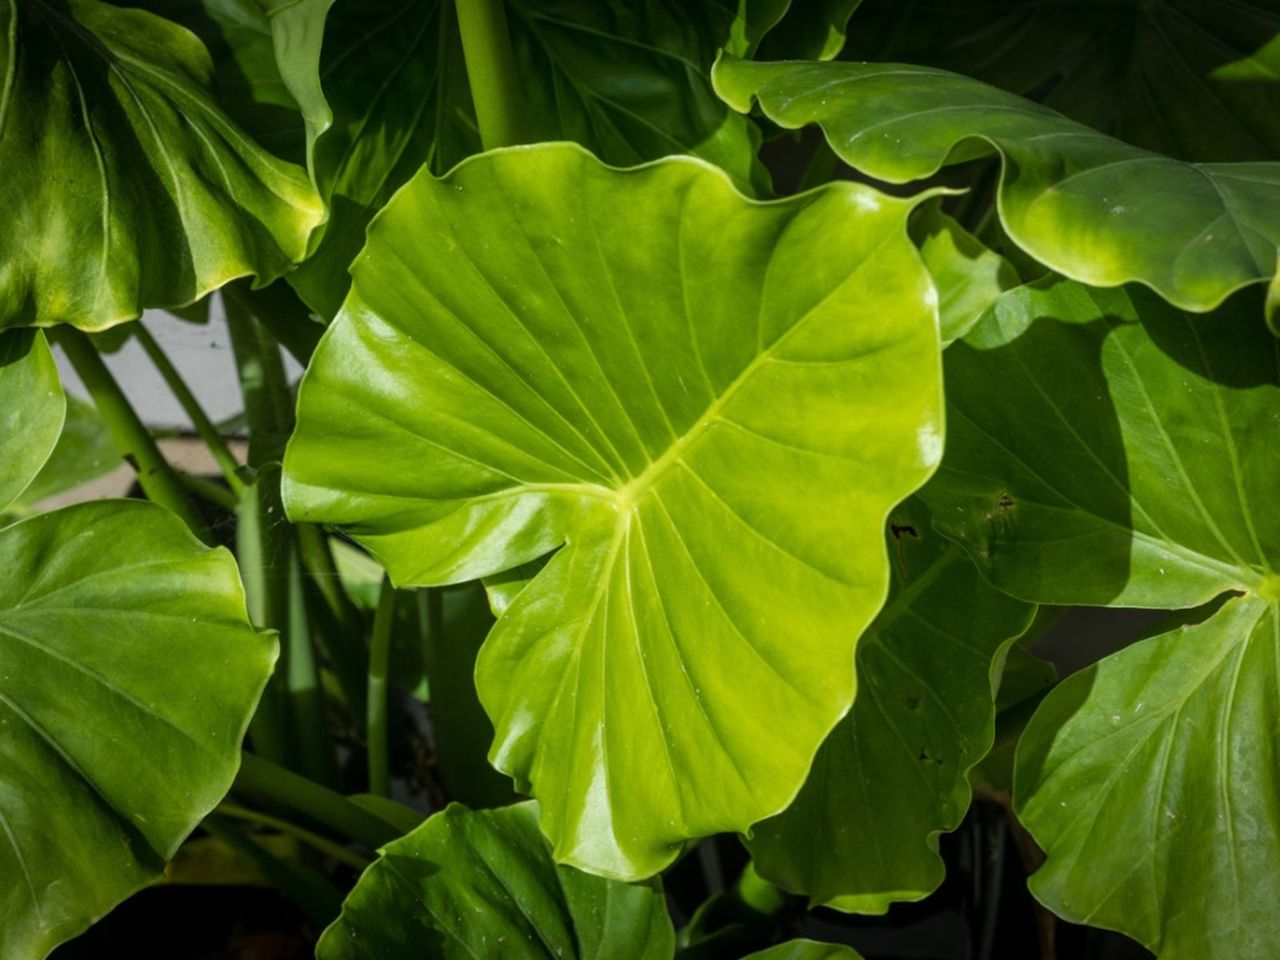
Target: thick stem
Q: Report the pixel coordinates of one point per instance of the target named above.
(272, 782)
(329, 848)
(218, 448)
(379, 661)
(339, 625)
(491, 71)
(157, 478)
(302, 682)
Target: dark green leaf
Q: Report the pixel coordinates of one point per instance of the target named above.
(806, 950)
(126, 185)
(84, 452)
(483, 884)
(129, 674)
(665, 378)
(1094, 459)
(383, 87)
(32, 409)
(1195, 79)
(892, 775)
(1093, 208)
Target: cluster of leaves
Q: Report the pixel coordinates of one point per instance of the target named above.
(755, 495)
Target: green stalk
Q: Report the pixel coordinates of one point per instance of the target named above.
(157, 478)
(302, 682)
(258, 554)
(318, 898)
(379, 661)
(273, 783)
(334, 851)
(491, 71)
(218, 448)
(208, 491)
(340, 628)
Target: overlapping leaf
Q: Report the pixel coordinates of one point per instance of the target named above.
(383, 86)
(126, 186)
(1094, 459)
(1090, 207)
(892, 775)
(32, 409)
(1194, 79)
(482, 884)
(711, 403)
(128, 672)
(783, 30)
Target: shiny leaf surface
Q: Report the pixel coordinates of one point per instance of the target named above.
(658, 376)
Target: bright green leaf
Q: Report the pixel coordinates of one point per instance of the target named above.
(32, 409)
(127, 186)
(383, 86)
(665, 378)
(892, 775)
(1094, 459)
(1090, 207)
(806, 950)
(1194, 79)
(129, 674)
(968, 276)
(482, 884)
(808, 30)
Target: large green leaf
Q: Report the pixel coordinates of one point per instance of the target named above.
(892, 775)
(1196, 79)
(713, 416)
(482, 884)
(32, 408)
(383, 86)
(1090, 207)
(129, 674)
(126, 185)
(84, 452)
(806, 950)
(1093, 459)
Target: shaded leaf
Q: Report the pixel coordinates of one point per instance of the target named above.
(892, 774)
(1094, 459)
(84, 452)
(660, 375)
(482, 884)
(1195, 79)
(1090, 207)
(806, 950)
(129, 674)
(128, 186)
(32, 409)
(383, 87)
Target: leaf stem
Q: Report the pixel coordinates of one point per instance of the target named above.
(218, 448)
(491, 71)
(157, 478)
(329, 848)
(340, 627)
(376, 718)
(272, 782)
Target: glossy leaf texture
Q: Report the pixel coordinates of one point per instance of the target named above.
(384, 89)
(109, 756)
(1093, 208)
(660, 376)
(863, 832)
(1094, 459)
(127, 185)
(1194, 79)
(482, 883)
(32, 409)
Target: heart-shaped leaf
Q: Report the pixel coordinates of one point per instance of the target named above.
(892, 774)
(1094, 459)
(667, 379)
(384, 89)
(482, 884)
(1195, 79)
(127, 185)
(1090, 207)
(128, 672)
(32, 408)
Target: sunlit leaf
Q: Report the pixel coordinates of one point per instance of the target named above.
(32, 409)
(1090, 207)
(664, 379)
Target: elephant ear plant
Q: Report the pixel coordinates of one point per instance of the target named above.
(709, 409)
